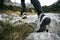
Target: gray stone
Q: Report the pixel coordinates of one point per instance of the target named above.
(43, 36)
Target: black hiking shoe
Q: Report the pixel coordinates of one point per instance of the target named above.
(23, 15)
(43, 21)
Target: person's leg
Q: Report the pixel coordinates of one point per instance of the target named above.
(23, 12)
(37, 6)
(42, 19)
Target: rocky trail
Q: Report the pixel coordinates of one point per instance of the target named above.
(54, 27)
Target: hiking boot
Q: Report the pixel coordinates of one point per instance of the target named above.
(43, 21)
(24, 16)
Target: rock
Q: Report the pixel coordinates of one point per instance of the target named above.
(43, 36)
(4, 16)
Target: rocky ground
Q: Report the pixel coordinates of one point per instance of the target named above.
(28, 25)
(43, 36)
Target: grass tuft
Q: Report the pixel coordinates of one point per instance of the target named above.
(10, 32)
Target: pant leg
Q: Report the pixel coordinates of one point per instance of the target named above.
(37, 6)
(23, 6)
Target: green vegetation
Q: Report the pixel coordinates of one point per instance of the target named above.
(52, 8)
(10, 32)
(1, 2)
(13, 8)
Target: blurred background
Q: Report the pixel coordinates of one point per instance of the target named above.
(48, 6)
